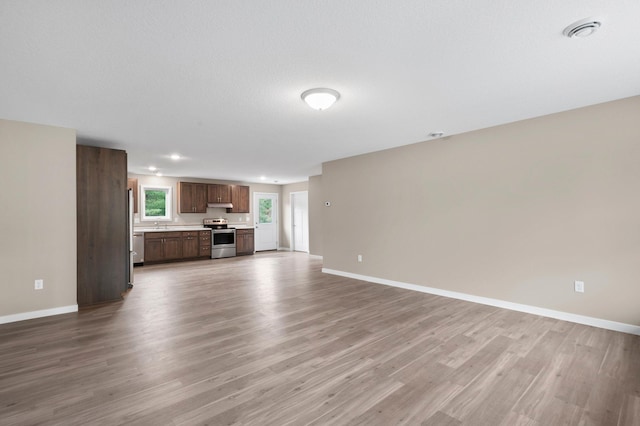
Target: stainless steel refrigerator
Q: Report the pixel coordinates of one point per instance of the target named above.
(130, 230)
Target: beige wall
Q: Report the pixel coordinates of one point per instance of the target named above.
(285, 229)
(515, 212)
(38, 199)
(316, 211)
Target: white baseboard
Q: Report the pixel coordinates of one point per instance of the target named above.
(550, 313)
(284, 249)
(315, 256)
(38, 314)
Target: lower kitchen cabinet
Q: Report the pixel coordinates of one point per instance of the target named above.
(190, 244)
(176, 245)
(244, 241)
(205, 243)
(153, 249)
(162, 246)
(173, 247)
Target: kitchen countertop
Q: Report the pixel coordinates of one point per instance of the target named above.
(171, 228)
(185, 228)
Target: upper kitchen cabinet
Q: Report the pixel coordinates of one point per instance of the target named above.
(133, 185)
(219, 193)
(240, 199)
(102, 224)
(192, 197)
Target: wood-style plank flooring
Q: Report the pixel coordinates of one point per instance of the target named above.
(270, 340)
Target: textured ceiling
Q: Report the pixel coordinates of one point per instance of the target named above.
(219, 81)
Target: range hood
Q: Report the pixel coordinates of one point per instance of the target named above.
(220, 205)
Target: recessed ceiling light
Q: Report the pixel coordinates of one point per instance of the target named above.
(583, 28)
(436, 134)
(158, 174)
(175, 156)
(320, 98)
(263, 178)
(153, 168)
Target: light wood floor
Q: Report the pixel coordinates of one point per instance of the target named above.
(270, 340)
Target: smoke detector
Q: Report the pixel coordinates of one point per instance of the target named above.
(583, 28)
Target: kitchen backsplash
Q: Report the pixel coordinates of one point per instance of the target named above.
(190, 219)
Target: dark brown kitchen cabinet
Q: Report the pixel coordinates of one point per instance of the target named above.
(176, 245)
(205, 243)
(132, 184)
(102, 225)
(192, 197)
(162, 246)
(217, 193)
(244, 241)
(240, 199)
(153, 251)
(173, 246)
(190, 244)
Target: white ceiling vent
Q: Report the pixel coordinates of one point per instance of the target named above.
(582, 28)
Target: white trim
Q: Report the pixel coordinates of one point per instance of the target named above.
(565, 316)
(38, 314)
(315, 256)
(284, 249)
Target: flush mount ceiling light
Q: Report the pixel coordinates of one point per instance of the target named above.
(320, 98)
(152, 168)
(583, 28)
(175, 156)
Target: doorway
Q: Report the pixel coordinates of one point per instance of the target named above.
(265, 212)
(300, 221)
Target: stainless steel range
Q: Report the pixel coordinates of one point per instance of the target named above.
(223, 241)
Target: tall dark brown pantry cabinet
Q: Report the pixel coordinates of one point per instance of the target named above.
(102, 217)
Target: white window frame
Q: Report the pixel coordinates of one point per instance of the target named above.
(168, 203)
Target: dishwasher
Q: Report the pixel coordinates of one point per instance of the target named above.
(138, 248)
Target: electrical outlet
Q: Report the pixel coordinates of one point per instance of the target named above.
(39, 284)
(359, 258)
(579, 286)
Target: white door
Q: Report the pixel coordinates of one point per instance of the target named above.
(265, 212)
(300, 221)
